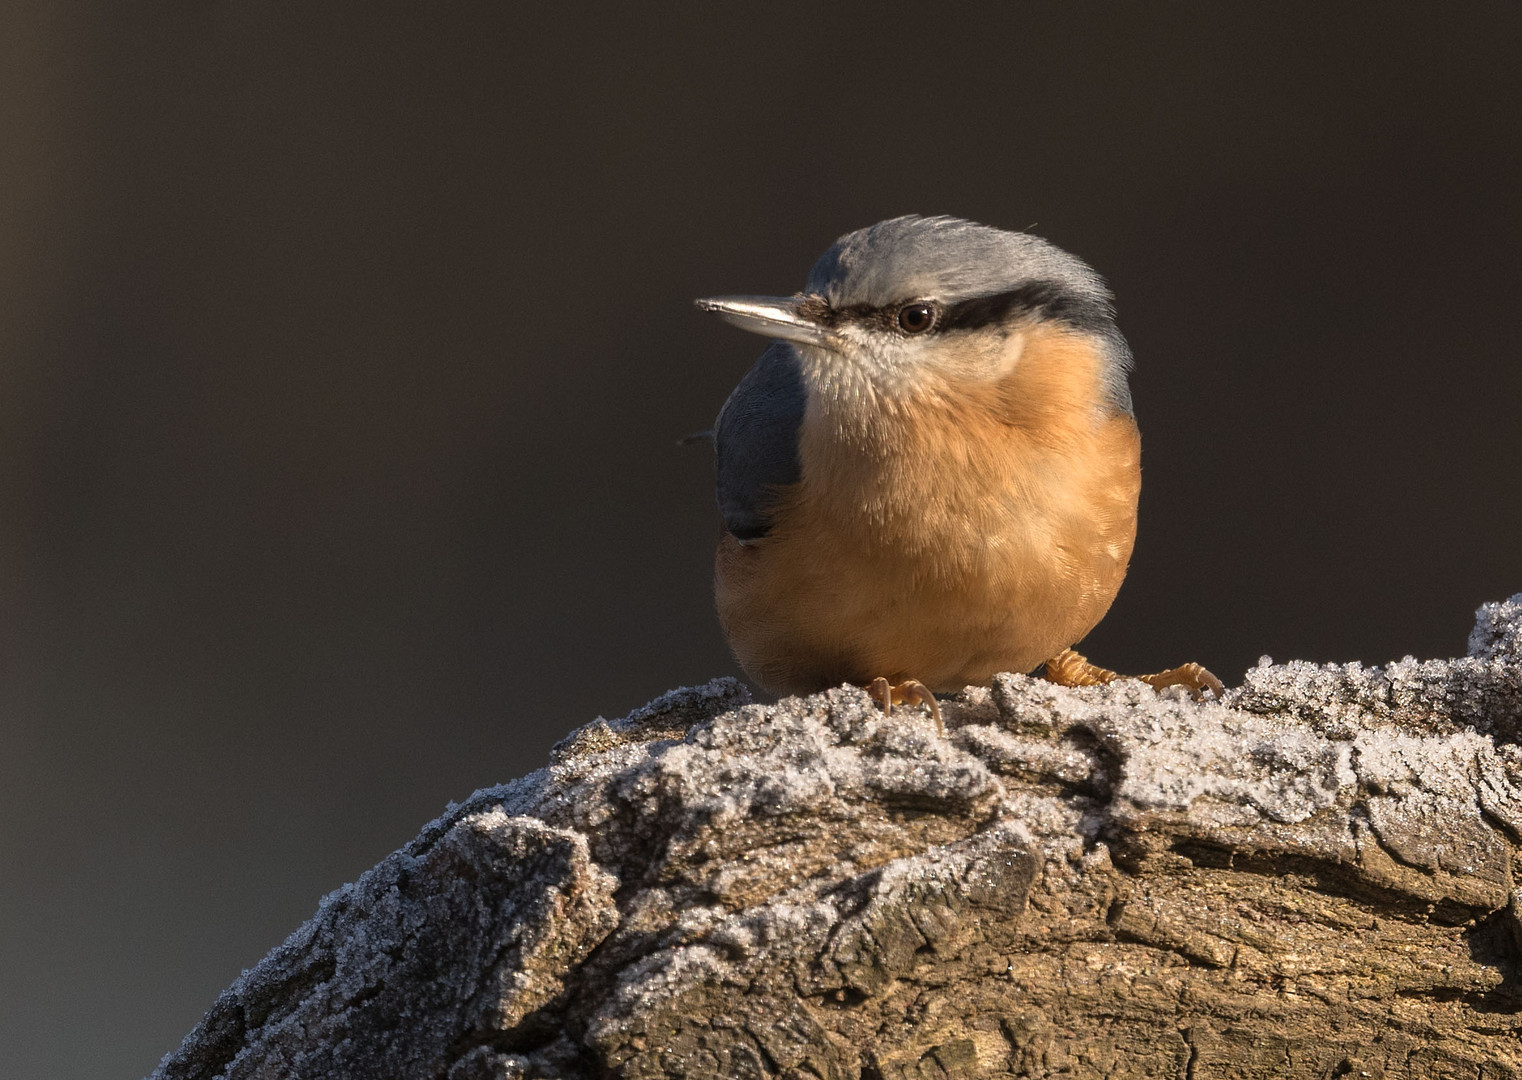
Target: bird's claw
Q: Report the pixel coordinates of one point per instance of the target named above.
(908, 692)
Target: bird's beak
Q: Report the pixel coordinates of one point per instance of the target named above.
(784, 317)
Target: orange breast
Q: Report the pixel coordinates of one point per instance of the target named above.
(964, 531)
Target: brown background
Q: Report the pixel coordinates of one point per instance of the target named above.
(343, 352)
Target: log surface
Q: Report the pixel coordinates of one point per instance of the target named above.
(1315, 878)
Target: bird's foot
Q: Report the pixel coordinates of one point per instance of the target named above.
(1193, 677)
(1068, 668)
(908, 692)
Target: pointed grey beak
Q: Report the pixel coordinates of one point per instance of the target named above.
(771, 316)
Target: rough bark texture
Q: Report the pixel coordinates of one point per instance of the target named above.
(1315, 879)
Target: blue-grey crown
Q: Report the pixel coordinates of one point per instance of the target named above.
(946, 258)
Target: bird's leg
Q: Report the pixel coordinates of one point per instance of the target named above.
(908, 692)
(1068, 668)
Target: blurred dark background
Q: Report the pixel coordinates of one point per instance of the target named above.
(344, 352)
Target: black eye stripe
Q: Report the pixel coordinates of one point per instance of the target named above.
(1044, 299)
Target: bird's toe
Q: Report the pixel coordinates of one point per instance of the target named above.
(908, 692)
(1193, 677)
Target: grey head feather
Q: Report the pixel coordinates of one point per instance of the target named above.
(911, 257)
(952, 260)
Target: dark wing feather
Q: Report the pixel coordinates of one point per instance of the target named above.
(756, 441)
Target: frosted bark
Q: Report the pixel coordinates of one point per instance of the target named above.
(1314, 878)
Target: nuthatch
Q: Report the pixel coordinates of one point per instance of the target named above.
(931, 475)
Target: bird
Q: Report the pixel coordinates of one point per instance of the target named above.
(931, 473)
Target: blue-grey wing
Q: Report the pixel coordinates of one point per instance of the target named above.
(756, 441)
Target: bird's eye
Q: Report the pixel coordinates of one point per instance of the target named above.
(916, 318)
